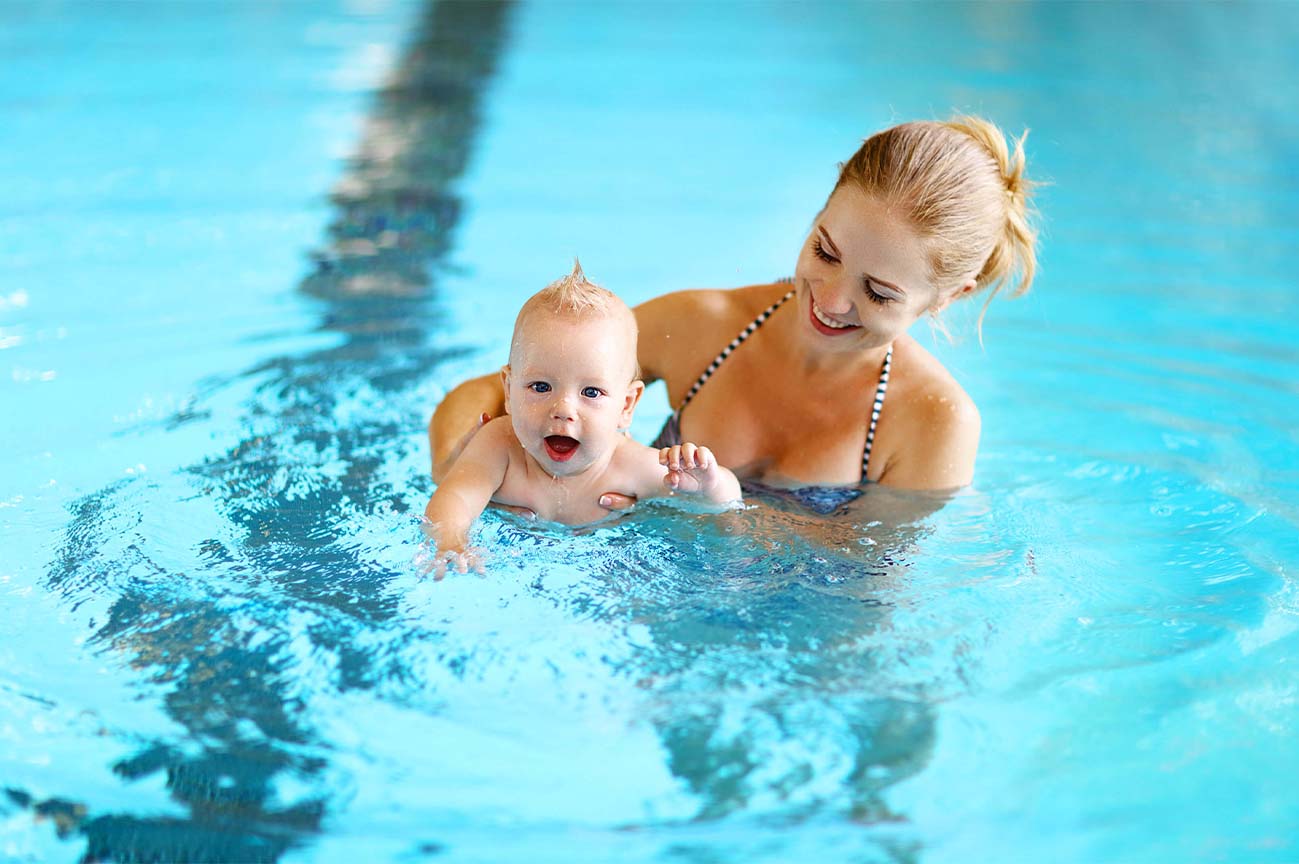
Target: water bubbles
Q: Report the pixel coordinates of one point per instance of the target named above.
(15, 300)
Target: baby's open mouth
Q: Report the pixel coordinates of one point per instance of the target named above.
(560, 447)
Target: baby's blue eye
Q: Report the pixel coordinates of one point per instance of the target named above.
(592, 392)
(539, 387)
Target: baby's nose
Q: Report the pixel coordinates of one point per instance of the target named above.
(562, 409)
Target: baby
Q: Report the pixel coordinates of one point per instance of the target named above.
(571, 388)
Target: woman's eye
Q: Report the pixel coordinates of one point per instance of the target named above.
(820, 252)
(592, 392)
(876, 297)
(539, 387)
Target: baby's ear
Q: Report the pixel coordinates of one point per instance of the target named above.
(634, 391)
(505, 386)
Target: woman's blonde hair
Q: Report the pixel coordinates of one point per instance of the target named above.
(963, 190)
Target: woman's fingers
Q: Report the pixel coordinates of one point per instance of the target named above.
(518, 511)
(617, 501)
(483, 420)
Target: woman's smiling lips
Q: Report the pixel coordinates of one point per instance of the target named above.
(560, 448)
(823, 323)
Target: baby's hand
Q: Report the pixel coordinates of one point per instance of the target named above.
(693, 470)
(439, 554)
(440, 562)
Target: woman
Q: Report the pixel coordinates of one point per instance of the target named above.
(822, 386)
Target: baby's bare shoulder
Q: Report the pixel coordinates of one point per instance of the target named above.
(496, 444)
(496, 436)
(635, 470)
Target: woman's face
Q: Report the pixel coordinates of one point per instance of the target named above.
(862, 275)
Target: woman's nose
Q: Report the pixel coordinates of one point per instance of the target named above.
(835, 297)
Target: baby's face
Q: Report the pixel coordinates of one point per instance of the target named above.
(569, 389)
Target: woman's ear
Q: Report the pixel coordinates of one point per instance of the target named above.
(634, 391)
(965, 289)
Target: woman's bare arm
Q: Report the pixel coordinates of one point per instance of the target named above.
(459, 416)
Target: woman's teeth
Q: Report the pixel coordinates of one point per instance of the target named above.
(829, 322)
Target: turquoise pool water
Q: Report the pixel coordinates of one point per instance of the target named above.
(245, 248)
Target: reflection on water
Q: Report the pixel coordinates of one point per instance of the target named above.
(277, 583)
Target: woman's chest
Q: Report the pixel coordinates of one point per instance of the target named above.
(764, 423)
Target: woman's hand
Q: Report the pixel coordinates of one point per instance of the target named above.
(459, 416)
(616, 501)
(440, 469)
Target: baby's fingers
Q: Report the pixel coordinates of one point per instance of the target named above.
(704, 459)
(688, 451)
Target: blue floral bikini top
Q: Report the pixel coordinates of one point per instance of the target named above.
(822, 499)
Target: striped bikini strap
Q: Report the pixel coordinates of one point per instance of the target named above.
(880, 390)
(735, 343)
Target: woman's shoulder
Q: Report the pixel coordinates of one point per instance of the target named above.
(931, 391)
(932, 421)
(681, 331)
(706, 309)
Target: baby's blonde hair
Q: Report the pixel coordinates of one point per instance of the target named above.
(575, 296)
(963, 190)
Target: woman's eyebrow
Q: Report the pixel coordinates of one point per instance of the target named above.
(825, 235)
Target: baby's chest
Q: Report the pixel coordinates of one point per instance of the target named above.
(552, 500)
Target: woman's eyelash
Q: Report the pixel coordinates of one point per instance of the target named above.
(871, 294)
(820, 252)
(876, 297)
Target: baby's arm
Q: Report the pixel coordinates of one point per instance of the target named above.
(465, 492)
(694, 471)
